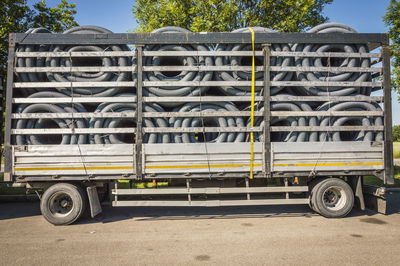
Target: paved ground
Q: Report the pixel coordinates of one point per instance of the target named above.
(180, 236)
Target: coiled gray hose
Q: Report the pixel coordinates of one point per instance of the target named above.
(127, 122)
(244, 60)
(286, 136)
(176, 76)
(350, 120)
(88, 61)
(32, 62)
(186, 122)
(333, 62)
(50, 122)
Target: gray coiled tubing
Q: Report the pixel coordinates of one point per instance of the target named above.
(246, 75)
(347, 120)
(182, 76)
(43, 123)
(342, 62)
(186, 122)
(116, 122)
(86, 76)
(286, 136)
(32, 62)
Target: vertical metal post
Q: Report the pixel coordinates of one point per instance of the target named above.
(267, 108)
(1, 116)
(139, 110)
(188, 191)
(387, 94)
(9, 94)
(286, 186)
(247, 186)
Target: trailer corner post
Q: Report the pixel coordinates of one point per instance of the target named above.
(267, 108)
(139, 110)
(388, 137)
(9, 94)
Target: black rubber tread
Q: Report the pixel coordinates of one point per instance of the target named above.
(78, 197)
(317, 198)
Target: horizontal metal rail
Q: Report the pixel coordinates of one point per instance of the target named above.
(204, 99)
(193, 68)
(196, 53)
(211, 203)
(208, 190)
(41, 131)
(90, 99)
(193, 83)
(372, 39)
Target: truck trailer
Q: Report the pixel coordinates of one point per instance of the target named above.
(250, 117)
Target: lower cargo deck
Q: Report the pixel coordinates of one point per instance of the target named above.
(219, 160)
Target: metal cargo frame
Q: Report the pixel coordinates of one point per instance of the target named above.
(215, 160)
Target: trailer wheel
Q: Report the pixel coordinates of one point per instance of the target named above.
(332, 198)
(63, 203)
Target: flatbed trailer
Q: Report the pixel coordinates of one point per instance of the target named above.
(203, 173)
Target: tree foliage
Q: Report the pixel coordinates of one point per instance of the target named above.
(227, 15)
(17, 16)
(396, 133)
(392, 19)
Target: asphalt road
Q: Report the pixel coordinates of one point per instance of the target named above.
(184, 236)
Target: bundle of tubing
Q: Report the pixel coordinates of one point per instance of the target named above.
(286, 136)
(44, 139)
(246, 60)
(119, 138)
(183, 122)
(176, 61)
(105, 61)
(187, 122)
(332, 62)
(32, 62)
(350, 121)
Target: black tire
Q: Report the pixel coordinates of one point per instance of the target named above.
(63, 203)
(332, 198)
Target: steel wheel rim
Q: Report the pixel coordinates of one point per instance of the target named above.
(334, 198)
(60, 204)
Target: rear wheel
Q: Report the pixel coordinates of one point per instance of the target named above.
(63, 203)
(332, 198)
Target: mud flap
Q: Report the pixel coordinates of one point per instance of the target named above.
(94, 202)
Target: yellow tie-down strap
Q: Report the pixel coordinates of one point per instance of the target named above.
(253, 77)
(193, 166)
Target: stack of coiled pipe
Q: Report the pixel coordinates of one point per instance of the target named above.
(195, 69)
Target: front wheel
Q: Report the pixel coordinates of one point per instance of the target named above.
(332, 198)
(63, 203)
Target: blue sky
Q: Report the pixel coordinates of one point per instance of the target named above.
(362, 15)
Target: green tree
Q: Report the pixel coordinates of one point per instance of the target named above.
(392, 20)
(17, 16)
(396, 133)
(227, 15)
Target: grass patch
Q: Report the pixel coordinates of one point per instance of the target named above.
(122, 184)
(375, 181)
(396, 150)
